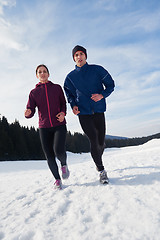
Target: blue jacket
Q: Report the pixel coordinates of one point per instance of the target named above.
(84, 81)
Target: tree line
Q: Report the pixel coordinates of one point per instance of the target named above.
(22, 143)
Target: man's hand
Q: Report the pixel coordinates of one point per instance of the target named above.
(60, 116)
(75, 110)
(96, 97)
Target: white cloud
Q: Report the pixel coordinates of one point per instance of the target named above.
(149, 22)
(6, 3)
(8, 30)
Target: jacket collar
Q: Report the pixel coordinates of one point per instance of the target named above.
(81, 68)
(42, 84)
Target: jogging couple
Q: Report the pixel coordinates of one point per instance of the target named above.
(86, 88)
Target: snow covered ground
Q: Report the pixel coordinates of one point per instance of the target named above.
(126, 209)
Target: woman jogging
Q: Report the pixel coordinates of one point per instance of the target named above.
(50, 101)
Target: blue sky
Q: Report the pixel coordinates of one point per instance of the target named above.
(122, 36)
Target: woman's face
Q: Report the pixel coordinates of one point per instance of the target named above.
(42, 74)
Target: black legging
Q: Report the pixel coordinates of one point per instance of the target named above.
(94, 127)
(53, 145)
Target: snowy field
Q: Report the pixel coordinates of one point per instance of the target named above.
(126, 209)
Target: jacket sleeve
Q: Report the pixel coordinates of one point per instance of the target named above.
(62, 101)
(31, 105)
(70, 92)
(108, 82)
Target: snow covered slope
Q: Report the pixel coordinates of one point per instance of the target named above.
(126, 209)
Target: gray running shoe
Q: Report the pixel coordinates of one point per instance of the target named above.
(103, 177)
(65, 172)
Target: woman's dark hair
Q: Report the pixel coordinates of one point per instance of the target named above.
(42, 65)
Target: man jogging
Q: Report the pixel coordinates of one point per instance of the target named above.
(86, 88)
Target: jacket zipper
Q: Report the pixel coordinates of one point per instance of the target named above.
(48, 106)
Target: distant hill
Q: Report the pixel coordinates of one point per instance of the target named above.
(118, 141)
(115, 137)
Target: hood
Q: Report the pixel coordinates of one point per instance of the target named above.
(42, 84)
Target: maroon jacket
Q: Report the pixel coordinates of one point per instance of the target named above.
(49, 99)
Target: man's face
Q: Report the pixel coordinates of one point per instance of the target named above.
(80, 58)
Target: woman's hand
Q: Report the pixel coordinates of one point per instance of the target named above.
(75, 110)
(27, 112)
(60, 116)
(96, 97)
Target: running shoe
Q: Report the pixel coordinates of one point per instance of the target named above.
(103, 177)
(65, 172)
(58, 184)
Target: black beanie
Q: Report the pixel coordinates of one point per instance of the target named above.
(79, 48)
